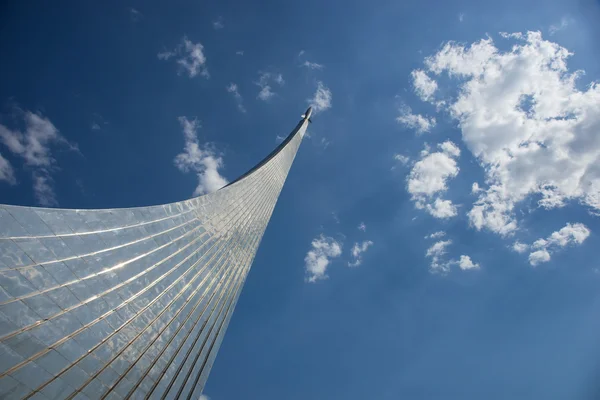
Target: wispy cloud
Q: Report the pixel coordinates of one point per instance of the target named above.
(321, 100)
(135, 14)
(402, 159)
(357, 251)
(239, 52)
(7, 174)
(362, 227)
(264, 82)
(312, 65)
(218, 23)
(190, 57)
(461, 17)
(233, 89)
(34, 147)
(564, 23)
(202, 160)
(323, 249)
(436, 235)
(417, 122)
(424, 86)
(438, 263)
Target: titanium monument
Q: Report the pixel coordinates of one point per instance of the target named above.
(129, 302)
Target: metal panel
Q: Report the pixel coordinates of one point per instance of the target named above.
(128, 303)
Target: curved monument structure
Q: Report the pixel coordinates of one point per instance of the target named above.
(130, 302)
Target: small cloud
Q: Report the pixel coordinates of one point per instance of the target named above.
(239, 52)
(266, 91)
(135, 15)
(436, 235)
(465, 263)
(201, 160)
(357, 251)
(301, 53)
(424, 86)
(321, 100)
(95, 126)
(312, 65)
(279, 79)
(279, 139)
(436, 253)
(417, 122)
(7, 174)
(520, 247)
(323, 250)
(190, 57)
(461, 17)
(475, 188)
(402, 159)
(218, 24)
(442, 209)
(362, 227)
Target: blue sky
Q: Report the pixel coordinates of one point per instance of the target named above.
(385, 273)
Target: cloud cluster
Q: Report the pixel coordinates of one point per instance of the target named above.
(417, 122)
(531, 128)
(34, 146)
(437, 251)
(428, 179)
(323, 249)
(357, 250)
(233, 89)
(321, 100)
(190, 57)
(541, 249)
(201, 160)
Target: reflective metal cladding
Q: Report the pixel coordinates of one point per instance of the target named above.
(129, 302)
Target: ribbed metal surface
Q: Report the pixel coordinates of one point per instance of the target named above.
(132, 302)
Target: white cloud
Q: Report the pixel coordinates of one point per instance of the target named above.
(569, 234)
(323, 249)
(429, 177)
(362, 227)
(203, 161)
(357, 251)
(279, 79)
(239, 53)
(417, 122)
(279, 139)
(401, 158)
(531, 129)
(7, 173)
(425, 87)
(312, 65)
(520, 247)
(461, 17)
(233, 89)
(442, 209)
(34, 146)
(564, 22)
(465, 263)
(436, 235)
(218, 24)
(475, 188)
(190, 57)
(321, 100)
(538, 257)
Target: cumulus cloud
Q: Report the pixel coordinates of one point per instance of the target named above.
(429, 176)
(542, 248)
(525, 120)
(424, 86)
(321, 100)
(233, 89)
(357, 250)
(199, 159)
(362, 227)
(7, 173)
(417, 122)
(465, 263)
(520, 247)
(323, 249)
(189, 56)
(34, 146)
